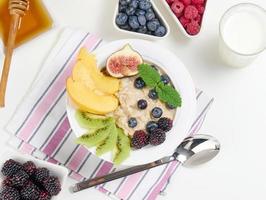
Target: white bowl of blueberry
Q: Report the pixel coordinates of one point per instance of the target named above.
(140, 18)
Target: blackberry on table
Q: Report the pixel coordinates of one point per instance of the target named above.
(165, 124)
(157, 137)
(11, 167)
(52, 185)
(44, 195)
(29, 167)
(19, 178)
(30, 191)
(41, 174)
(9, 193)
(139, 139)
(7, 182)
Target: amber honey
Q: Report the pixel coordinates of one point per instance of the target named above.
(36, 21)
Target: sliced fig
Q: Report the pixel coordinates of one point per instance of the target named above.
(123, 62)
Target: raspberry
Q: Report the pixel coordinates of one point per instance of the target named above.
(170, 1)
(52, 185)
(184, 21)
(9, 193)
(198, 1)
(200, 8)
(11, 167)
(139, 140)
(165, 124)
(191, 12)
(19, 179)
(193, 28)
(177, 7)
(186, 2)
(29, 167)
(30, 192)
(198, 19)
(157, 137)
(41, 174)
(44, 195)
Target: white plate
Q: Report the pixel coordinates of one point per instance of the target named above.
(181, 79)
(55, 170)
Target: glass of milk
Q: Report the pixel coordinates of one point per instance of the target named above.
(242, 34)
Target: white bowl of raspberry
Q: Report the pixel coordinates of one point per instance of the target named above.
(25, 177)
(188, 15)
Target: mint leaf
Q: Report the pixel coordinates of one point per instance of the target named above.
(168, 94)
(150, 76)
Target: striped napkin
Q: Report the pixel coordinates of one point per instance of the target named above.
(40, 126)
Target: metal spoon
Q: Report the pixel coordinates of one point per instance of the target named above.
(193, 151)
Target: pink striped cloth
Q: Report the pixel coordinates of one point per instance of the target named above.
(41, 128)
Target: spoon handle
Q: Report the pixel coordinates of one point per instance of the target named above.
(119, 174)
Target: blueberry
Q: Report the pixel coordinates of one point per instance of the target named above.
(122, 8)
(150, 15)
(130, 10)
(133, 22)
(121, 19)
(160, 31)
(145, 4)
(132, 122)
(142, 20)
(165, 79)
(125, 27)
(151, 125)
(142, 104)
(153, 94)
(149, 33)
(142, 29)
(140, 12)
(156, 112)
(124, 2)
(134, 3)
(170, 106)
(139, 83)
(153, 25)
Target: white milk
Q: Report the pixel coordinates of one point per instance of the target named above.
(242, 34)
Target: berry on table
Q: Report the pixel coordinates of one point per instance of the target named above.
(186, 2)
(142, 20)
(149, 15)
(44, 195)
(145, 4)
(132, 122)
(157, 137)
(139, 83)
(19, 178)
(52, 185)
(11, 167)
(133, 22)
(124, 2)
(125, 27)
(151, 126)
(160, 31)
(9, 193)
(130, 10)
(142, 29)
(29, 167)
(156, 112)
(121, 19)
(153, 94)
(198, 1)
(140, 12)
(170, 107)
(122, 8)
(142, 104)
(134, 3)
(165, 124)
(170, 1)
(177, 7)
(200, 8)
(193, 27)
(139, 139)
(191, 12)
(7, 182)
(41, 174)
(184, 21)
(30, 191)
(153, 24)
(165, 79)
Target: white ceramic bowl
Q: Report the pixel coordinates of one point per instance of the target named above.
(178, 23)
(141, 35)
(158, 55)
(55, 170)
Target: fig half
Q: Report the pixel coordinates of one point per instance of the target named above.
(124, 62)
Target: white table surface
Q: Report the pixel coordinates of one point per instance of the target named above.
(237, 118)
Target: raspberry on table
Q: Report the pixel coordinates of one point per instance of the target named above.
(30, 191)
(184, 21)
(191, 12)
(41, 174)
(198, 19)
(193, 27)
(186, 2)
(200, 8)
(9, 193)
(165, 124)
(177, 7)
(139, 139)
(198, 1)
(157, 137)
(170, 1)
(52, 185)
(29, 167)
(11, 167)
(19, 178)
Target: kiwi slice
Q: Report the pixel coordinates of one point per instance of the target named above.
(122, 147)
(94, 138)
(109, 143)
(90, 121)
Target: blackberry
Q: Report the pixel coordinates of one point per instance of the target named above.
(142, 104)
(52, 185)
(139, 139)
(41, 174)
(7, 182)
(19, 179)
(150, 126)
(157, 137)
(11, 167)
(30, 192)
(139, 83)
(156, 112)
(9, 193)
(165, 124)
(44, 195)
(29, 167)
